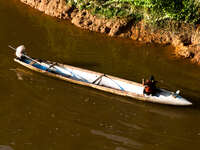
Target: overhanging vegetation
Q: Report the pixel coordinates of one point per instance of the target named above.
(152, 11)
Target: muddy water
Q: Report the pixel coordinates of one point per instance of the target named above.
(41, 113)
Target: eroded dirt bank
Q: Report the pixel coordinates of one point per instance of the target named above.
(184, 37)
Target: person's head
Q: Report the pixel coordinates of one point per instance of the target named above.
(20, 50)
(152, 78)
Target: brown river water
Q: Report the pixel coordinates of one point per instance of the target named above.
(42, 113)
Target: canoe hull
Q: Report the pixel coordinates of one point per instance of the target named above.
(142, 97)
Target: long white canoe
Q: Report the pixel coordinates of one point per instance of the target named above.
(101, 81)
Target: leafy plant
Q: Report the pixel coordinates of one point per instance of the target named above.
(152, 11)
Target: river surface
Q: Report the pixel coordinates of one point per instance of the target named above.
(42, 113)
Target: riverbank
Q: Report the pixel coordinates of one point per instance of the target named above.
(182, 36)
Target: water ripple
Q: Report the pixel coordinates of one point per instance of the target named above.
(117, 138)
(134, 126)
(4, 147)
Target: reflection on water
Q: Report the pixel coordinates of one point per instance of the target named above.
(4, 147)
(115, 138)
(38, 112)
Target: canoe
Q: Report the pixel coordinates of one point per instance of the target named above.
(101, 81)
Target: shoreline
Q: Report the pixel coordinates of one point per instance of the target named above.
(183, 37)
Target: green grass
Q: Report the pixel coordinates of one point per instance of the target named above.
(151, 11)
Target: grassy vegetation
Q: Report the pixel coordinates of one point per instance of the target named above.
(153, 11)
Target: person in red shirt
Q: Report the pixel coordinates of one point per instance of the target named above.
(150, 86)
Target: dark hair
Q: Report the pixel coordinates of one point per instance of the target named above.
(152, 78)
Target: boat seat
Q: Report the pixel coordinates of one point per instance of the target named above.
(52, 65)
(98, 79)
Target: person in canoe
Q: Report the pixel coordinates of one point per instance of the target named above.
(20, 51)
(150, 86)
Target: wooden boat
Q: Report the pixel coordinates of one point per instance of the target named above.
(101, 81)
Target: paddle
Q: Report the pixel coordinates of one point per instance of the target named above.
(12, 47)
(50, 65)
(23, 54)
